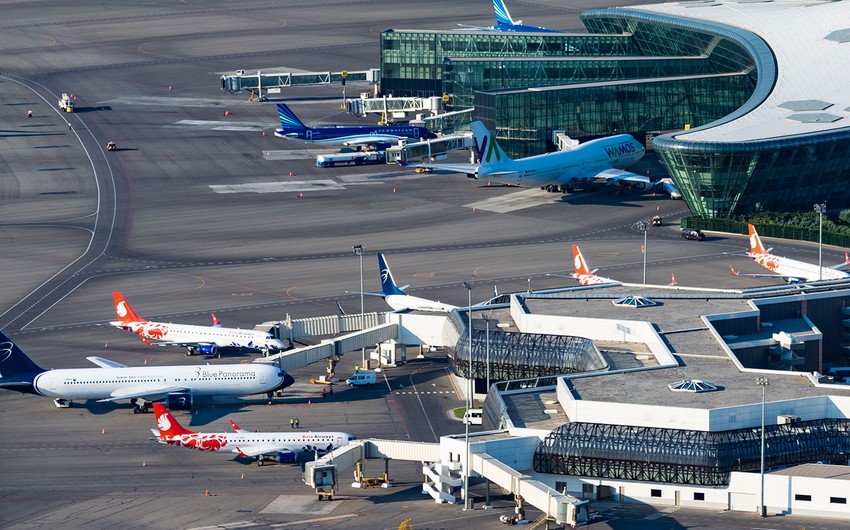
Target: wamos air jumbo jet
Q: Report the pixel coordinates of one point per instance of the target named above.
(790, 270)
(377, 136)
(601, 159)
(140, 384)
(280, 446)
(196, 339)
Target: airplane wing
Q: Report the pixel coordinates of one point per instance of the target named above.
(619, 177)
(469, 169)
(842, 265)
(373, 139)
(106, 363)
(786, 277)
(261, 450)
(151, 393)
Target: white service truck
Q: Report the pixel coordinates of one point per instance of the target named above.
(351, 157)
(66, 103)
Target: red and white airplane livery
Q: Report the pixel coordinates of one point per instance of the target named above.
(583, 274)
(790, 270)
(196, 339)
(280, 446)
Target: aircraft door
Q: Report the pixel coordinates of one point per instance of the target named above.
(309, 134)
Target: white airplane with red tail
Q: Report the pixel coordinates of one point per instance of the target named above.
(207, 340)
(279, 446)
(790, 270)
(583, 274)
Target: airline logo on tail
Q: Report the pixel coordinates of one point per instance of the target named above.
(578, 262)
(288, 119)
(756, 246)
(172, 433)
(486, 148)
(125, 313)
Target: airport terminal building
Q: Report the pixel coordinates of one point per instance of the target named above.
(752, 88)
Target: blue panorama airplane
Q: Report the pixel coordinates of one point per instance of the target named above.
(378, 136)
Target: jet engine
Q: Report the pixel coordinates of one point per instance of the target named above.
(180, 401)
(208, 349)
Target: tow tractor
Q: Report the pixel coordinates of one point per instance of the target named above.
(657, 220)
(111, 146)
(66, 103)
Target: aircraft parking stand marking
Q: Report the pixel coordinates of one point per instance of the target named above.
(516, 201)
(167, 101)
(288, 155)
(278, 187)
(238, 126)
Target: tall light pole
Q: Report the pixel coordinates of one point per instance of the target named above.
(469, 390)
(762, 382)
(820, 209)
(358, 249)
(644, 227)
(487, 333)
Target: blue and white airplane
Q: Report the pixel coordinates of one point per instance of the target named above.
(601, 159)
(504, 22)
(377, 136)
(140, 384)
(396, 298)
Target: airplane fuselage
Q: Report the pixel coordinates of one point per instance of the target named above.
(405, 302)
(205, 380)
(797, 269)
(221, 337)
(617, 152)
(248, 442)
(355, 135)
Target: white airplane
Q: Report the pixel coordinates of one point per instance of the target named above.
(601, 159)
(396, 298)
(204, 339)
(583, 274)
(790, 270)
(279, 446)
(140, 384)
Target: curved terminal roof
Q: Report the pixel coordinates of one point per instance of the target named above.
(810, 42)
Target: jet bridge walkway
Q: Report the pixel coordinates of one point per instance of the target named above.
(428, 150)
(444, 478)
(239, 80)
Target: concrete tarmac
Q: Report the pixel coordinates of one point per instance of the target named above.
(167, 221)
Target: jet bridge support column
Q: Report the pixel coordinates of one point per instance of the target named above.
(519, 510)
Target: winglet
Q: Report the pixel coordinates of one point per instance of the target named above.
(168, 424)
(237, 428)
(579, 263)
(388, 286)
(733, 270)
(125, 313)
(756, 246)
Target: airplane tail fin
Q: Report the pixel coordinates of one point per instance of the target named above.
(388, 285)
(488, 150)
(17, 371)
(166, 423)
(579, 263)
(288, 119)
(216, 323)
(756, 246)
(125, 313)
(503, 16)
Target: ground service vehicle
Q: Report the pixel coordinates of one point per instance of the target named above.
(66, 103)
(352, 157)
(693, 234)
(657, 220)
(474, 416)
(362, 378)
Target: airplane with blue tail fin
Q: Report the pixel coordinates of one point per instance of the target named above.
(376, 136)
(504, 22)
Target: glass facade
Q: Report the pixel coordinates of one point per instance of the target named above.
(523, 120)
(462, 77)
(685, 456)
(412, 60)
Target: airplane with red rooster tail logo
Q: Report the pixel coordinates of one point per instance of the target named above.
(207, 340)
(790, 270)
(279, 446)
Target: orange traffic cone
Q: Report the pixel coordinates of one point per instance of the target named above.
(169, 87)
(144, 463)
(243, 476)
(206, 493)
(105, 344)
(473, 210)
(309, 401)
(103, 430)
(300, 195)
(290, 173)
(264, 133)
(227, 113)
(393, 190)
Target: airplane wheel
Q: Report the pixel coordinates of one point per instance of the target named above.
(260, 462)
(137, 410)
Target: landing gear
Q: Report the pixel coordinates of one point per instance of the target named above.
(190, 351)
(269, 398)
(140, 406)
(62, 403)
(265, 352)
(260, 461)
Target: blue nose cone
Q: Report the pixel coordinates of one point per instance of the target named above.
(288, 380)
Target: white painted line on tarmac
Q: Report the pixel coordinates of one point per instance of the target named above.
(279, 187)
(317, 520)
